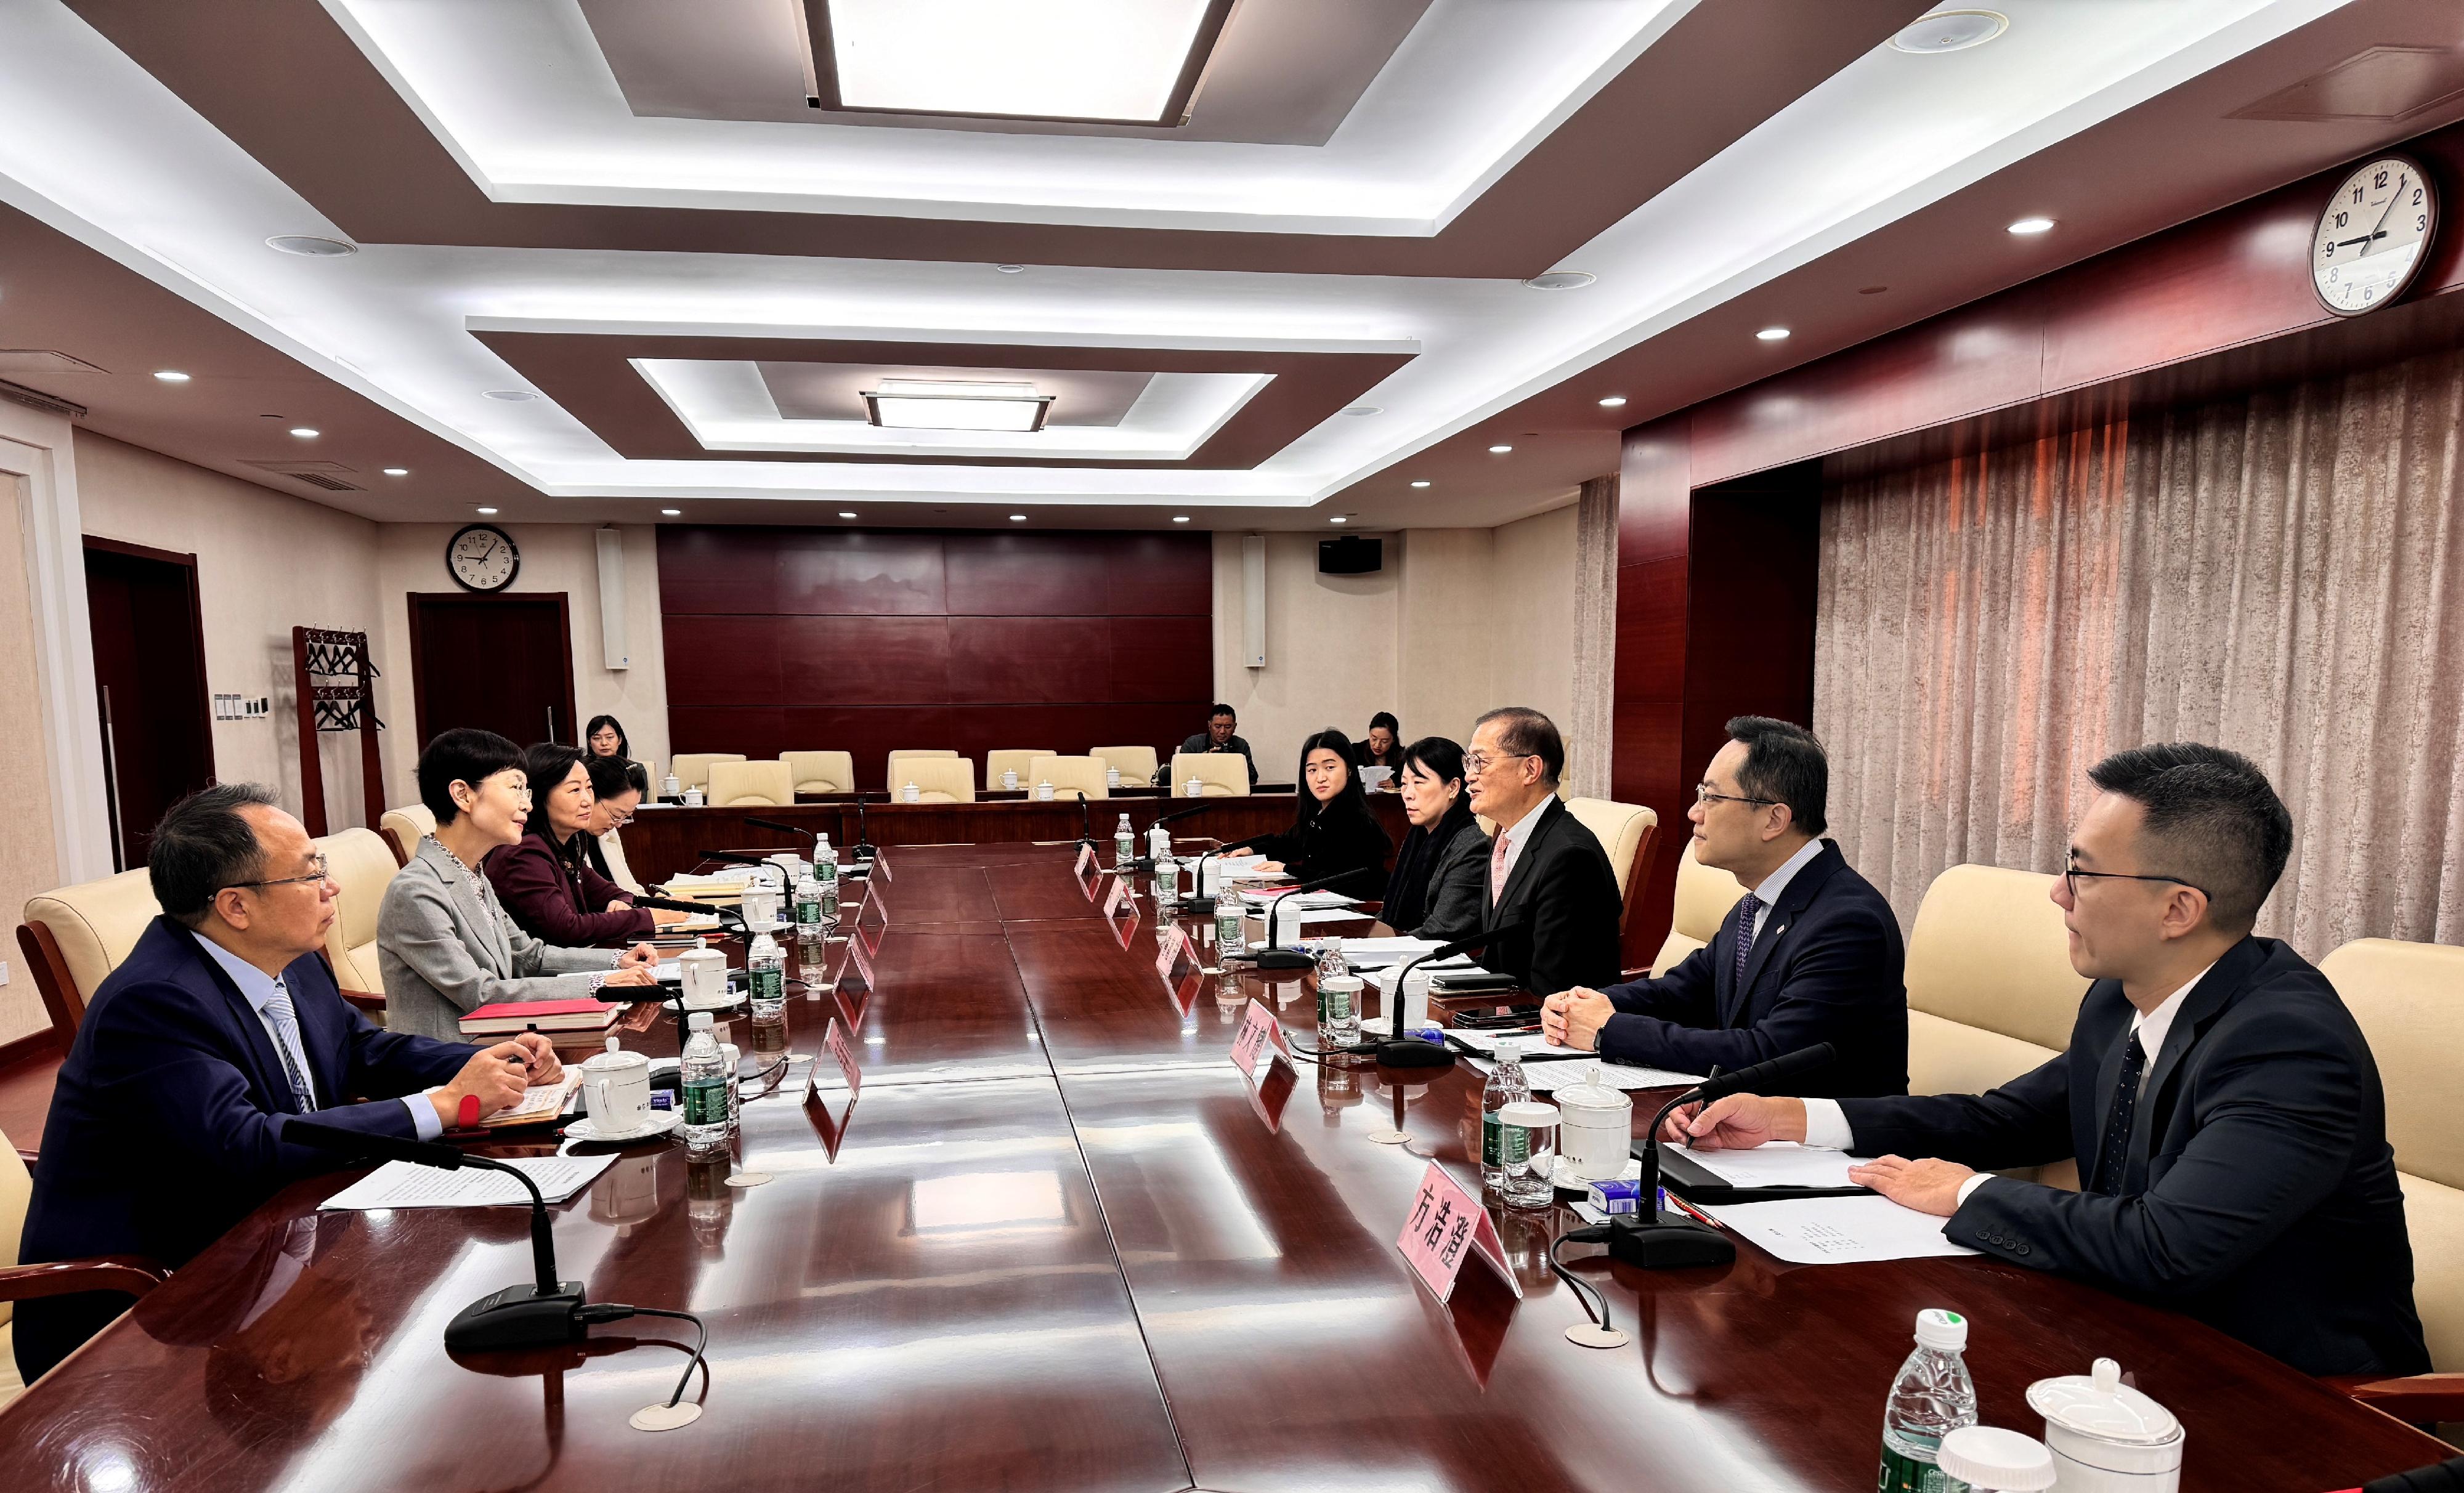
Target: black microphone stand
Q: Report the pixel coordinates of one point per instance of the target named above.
(863, 849)
(1657, 1241)
(1271, 957)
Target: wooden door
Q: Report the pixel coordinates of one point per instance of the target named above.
(149, 673)
(500, 663)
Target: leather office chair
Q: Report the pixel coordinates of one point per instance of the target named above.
(750, 785)
(1137, 763)
(937, 779)
(891, 775)
(126, 1274)
(2409, 999)
(1627, 832)
(1220, 775)
(72, 936)
(821, 772)
(693, 768)
(1704, 896)
(405, 828)
(1017, 760)
(362, 866)
(1070, 777)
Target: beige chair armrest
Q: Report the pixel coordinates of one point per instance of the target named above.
(130, 1275)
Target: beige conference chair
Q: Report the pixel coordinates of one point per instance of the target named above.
(2408, 1000)
(1705, 894)
(904, 754)
(127, 1275)
(362, 866)
(937, 779)
(1017, 760)
(1627, 832)
(611, 844)
(405, 828)
(750, 785)
(1137, 763)
(693, 768)
(1070, 777)
(1220, 775)
(821, 772)
(72, 936)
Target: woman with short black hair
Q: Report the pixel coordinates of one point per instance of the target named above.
(1441, 871)
(1332, 833)
(544, 878)
(605, 737)
(617, 788)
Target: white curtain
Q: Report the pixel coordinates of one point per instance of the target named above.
(1591, 732)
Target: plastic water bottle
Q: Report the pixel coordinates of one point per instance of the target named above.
(731, 1058)
(1932, 1398)
(1167, 871)
(1506, 1086)
(825, 871)
(704, 1074)
(1125, 845)
(765, 968)
(809, 909)
(1227, 926)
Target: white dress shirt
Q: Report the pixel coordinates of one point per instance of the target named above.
(256, 988)
(1516, 836)
(1775, 885)
(1826, 1126)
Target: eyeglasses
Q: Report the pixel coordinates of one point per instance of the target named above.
(1703, 793)
(1480, 763)
(318, 866)
(2070, 874)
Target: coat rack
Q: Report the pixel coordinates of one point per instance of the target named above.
(337, 691)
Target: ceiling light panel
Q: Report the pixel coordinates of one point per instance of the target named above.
(932, 404)
(1123, 61)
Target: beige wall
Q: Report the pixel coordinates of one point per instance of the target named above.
(265, 564)
(1459, 621)
(29, 852)
(410, 556)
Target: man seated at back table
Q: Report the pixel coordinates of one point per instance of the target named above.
(2222, 1106)
(1811, 954)
(1220, 735)
(221, 1025)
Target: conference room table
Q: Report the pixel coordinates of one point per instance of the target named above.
(1056, 1240)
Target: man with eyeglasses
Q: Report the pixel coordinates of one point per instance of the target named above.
(1545, 870)
(2221, 1104)
(1811, 954)
(222, 1024)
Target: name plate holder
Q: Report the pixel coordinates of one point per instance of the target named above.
(1445, 1225)
(1171, 945)
(1258, 1043)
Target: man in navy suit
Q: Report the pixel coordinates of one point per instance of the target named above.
(1811, 954)
(2222, 1105)
(222, 1024)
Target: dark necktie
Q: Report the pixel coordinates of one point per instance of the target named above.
(1747, 912)
(286, 1026)
(2112, 1158)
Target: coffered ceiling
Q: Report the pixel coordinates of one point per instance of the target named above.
(608, 258)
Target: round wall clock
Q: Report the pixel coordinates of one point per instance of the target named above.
(482, 558)
(2374, 236)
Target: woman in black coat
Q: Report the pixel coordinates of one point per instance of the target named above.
(1332, 833)
(1440, 877)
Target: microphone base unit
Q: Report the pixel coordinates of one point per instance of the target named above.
(519, 1316)
(1413, 1053)
(1285, 959)
(1667, 1242)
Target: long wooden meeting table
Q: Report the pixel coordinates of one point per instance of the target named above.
(1057, 1241)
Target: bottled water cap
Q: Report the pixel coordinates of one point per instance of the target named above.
(1947, 1330)
(698, 1021)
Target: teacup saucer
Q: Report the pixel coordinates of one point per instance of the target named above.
(660, 1123)
(1564, 1179)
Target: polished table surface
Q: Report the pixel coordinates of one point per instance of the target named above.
(1058, 1242)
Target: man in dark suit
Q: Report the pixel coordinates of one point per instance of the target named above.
(1811, 954)
(1545, 870)
(1221, 735)
(2222, 1106)
(221, 1025)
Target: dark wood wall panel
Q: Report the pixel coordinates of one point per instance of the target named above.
(866, 641)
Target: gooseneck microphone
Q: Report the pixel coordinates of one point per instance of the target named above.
(1659, 1241)
(1398, 1052)
(1086, 822)
(786, 830)
(519, 1316)
(863, 848)
(1271, 957)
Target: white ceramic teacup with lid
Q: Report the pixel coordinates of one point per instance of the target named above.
(616, 1089)
(1595, 1135)
(2107, 1437)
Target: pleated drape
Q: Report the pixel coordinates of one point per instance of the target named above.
(2283, 574)
(1590, 734)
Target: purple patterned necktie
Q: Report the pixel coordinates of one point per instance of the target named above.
(1747, 912)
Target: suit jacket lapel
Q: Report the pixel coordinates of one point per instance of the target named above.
(1520, 877)
(2206, 1001)
(1799, 894)
(272, 1082)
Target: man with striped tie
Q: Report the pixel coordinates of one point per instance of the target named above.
(166, 1127)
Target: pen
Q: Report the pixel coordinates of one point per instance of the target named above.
(1690, 1211)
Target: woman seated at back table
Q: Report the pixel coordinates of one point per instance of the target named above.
(1441, 880)
(1384, 747)
(445, 946)
(1332, 833)
(617, 788)
(544, 879)
(605, 737)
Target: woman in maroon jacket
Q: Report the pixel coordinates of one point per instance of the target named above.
(542, 878)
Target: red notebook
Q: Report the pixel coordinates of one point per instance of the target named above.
(504, 1017)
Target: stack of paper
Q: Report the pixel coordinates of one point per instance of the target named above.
(1371, 954)
(1780, 1163)
(732, 879)
(1379, 979)
(1549, 1077)
(399, 1184)
(1838, 1230)
(1260, 897)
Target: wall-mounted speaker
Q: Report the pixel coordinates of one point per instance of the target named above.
(1253, 601)
(611, 597)
(1350, 556)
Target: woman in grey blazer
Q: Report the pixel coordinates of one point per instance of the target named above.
(445, 946)
(1440, 877)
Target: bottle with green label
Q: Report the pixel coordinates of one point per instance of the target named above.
(1506, 1085)
(1931, 1397)
(703, 1073)
(765, 968)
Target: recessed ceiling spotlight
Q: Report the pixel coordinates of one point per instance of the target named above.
(305, 432)
(512, 396)
(487, 510)
(1613, 402)
(1011, 269)
(2031, 226)
(1499, 450)
(1340, 518)
(671, 513)
(1366, 410)
(397, 472)
(1950, 31)
(1181, 518)
(170, 375)
(1423, 482)
(309, 247)
(1772, 334)
(843, 514)
(1017, 518)
(1559, 280)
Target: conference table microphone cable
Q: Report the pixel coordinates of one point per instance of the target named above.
(610, 1311)
(1585, 1291)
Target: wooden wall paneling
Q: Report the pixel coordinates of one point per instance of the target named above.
(859, 573)
(869, 733)
(1028, 660)
(1027, 575)
(1153, 575)
(1150, 659)
(758, 731)
(716, 571)
(888, 660)
(1655, 524)
(722, 660)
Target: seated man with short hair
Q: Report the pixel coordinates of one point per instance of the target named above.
(1545, 871)
(221, 1025)
(2222, 1105)
(1220, 735)
(1811, 954)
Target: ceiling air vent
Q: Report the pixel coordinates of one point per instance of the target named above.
(324, 475)
(2375, 84)
(16, 360)
(36, 399)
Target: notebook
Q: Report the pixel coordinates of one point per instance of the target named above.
(504, 1017)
